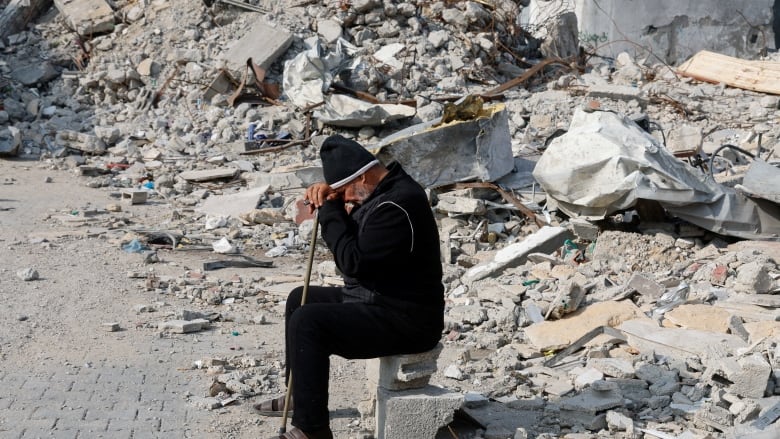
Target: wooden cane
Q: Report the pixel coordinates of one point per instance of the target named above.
(306, 280)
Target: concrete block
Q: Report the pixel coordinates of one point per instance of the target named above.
(748, 375)
(87, 17)
(403, 372)
(110, 327)
(753, 278)
(713, 416)
(584, 229)
(415, 413)
(644, 285)
(460, 205)
(546, 240)
(263, 43)
(183, 326)
(132, 196)
(613, 367)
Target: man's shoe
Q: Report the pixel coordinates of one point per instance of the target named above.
(297, 433)
(273, 407)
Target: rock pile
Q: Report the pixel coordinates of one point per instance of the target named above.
(661, 328)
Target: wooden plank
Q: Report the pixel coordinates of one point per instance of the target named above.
(762, 76)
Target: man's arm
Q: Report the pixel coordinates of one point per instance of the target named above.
(385, 241)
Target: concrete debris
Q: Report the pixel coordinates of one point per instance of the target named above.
(87, 17)
(589, 292)
(437, 153)
(28, 274)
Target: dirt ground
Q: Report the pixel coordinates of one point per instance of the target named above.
(51, 333)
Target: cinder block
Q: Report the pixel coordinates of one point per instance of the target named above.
(417, 413)
(131, 196)
(748, 375)
(403, 372)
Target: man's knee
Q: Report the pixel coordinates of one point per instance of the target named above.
(294, 299)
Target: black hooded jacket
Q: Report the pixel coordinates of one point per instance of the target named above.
(389, 245)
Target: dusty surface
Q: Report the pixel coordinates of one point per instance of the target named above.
(62, 371)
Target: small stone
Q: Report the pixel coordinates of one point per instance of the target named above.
(454, 372)
(47, 180)
(110, 327)
(22, 318)
(28, 274)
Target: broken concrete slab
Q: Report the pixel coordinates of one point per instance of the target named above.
(209, 174)
(616, 92)
(436, 153)
(81, 142)
(87, 17)
(280, 180)
(233, 204)
(700, 316)
(183, 326)
(613, 367)
(35, 74)
(679, 344)
(546, 240)
(558, 334)
(263, 43)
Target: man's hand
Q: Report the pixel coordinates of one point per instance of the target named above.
(318, 193)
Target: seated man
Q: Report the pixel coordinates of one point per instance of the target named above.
(378, 224)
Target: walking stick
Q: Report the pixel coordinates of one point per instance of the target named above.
(306, 280)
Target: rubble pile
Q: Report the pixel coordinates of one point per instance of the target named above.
(605, 292)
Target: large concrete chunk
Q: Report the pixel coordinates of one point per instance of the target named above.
(263, 43)
(748, 375)
(679, 344)
(209, 174)
(87, 17)
(546, 240)
(437, 154)
(415, 413)
(700, 316)
(557, 334)
(233, 204)
(672, 28)
(81, 142)
(10, 139)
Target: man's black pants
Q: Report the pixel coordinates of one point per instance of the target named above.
(327, 325)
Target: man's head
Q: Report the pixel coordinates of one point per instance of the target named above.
(350, 169)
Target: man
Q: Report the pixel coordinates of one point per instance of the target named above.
(378, 224)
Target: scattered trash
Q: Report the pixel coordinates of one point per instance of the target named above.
(224, 246)
(135, 246)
